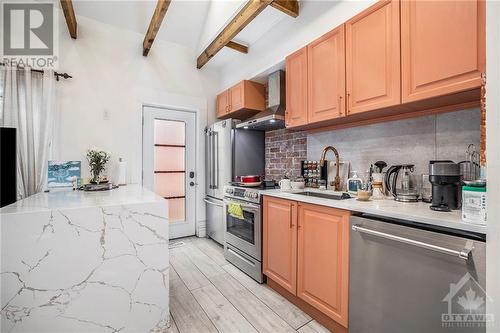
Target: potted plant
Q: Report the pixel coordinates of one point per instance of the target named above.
(97, 163)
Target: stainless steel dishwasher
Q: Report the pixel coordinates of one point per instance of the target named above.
(407, 277)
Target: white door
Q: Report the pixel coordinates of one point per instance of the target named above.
(169, 164)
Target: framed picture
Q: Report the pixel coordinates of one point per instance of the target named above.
(60, 173)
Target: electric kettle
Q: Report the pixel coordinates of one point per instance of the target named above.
(401, 183)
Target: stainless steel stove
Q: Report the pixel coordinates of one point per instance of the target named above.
(243, 237)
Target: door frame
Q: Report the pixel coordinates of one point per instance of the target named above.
(167, 107)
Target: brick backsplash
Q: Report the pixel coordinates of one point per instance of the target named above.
(284, 151)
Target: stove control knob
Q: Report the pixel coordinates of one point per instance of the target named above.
(229, 190)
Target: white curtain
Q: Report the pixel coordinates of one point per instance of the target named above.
(29, 106)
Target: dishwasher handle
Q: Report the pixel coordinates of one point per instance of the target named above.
(462, 254)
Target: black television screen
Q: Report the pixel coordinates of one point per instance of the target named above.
(8, 173)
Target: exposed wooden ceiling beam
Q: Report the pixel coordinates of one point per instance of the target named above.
(240, 21)
(289, 7)
(69, 15)
(237, 46)
(154, 25)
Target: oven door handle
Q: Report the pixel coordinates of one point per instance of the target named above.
(243, 204)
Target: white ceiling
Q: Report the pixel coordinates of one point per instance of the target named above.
(183, 22)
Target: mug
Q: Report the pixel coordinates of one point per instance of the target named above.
(285, 184)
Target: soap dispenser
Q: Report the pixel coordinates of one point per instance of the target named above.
(354, 183)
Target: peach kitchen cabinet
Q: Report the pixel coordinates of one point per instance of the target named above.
(222, 103)
(242, 100)
(443, 47)
(373, 58)
(280, 242)
(326, 76)
(306, 252)
(323, 260)
(296, 88)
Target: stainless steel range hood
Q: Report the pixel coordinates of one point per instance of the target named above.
(274, 116)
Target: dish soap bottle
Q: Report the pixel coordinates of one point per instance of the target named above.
(354, 183)
(122, 172)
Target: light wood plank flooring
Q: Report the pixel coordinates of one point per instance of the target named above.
(208, 294)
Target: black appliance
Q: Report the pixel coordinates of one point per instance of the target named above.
(8, 172)
(446, 181)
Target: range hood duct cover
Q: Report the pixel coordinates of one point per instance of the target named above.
(274, 115)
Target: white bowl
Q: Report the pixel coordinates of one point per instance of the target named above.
(297, 185)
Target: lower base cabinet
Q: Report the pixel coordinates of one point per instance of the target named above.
(306, 252)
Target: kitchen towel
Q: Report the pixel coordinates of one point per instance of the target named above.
(235, 210)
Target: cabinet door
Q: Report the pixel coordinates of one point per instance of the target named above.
(237, 97)
(323, 260)
(326, 76)
(296, 88)
(222, 104)
(443, 47)
(280, 242)
(373, 58)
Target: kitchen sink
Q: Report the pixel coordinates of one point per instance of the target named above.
(336, 196)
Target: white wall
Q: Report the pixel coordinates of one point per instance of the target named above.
(111, 75)
(493, 157)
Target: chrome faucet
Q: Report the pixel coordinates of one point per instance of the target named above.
(336, 182)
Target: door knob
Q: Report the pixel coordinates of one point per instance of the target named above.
(192, 184)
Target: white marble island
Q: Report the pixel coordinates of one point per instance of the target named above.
(85, 262)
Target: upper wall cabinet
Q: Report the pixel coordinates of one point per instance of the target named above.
(296, 88)
(373, 58)
(443, 47)
(326, 76)
(242, 100)
(222, 103)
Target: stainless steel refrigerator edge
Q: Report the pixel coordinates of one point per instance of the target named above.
(230, 152)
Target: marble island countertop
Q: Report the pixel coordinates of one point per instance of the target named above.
(85, 262)
(67, 198)
(414, 212)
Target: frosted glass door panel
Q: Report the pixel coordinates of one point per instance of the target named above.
(168, 132)
(169, 165)
(169, 185)
(170, 158)
(176, 210)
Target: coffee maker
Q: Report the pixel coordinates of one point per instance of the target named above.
(446, 181)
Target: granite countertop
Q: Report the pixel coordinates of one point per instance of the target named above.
(67, 198)
(414, 212)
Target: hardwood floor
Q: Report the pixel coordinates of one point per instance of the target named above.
(208, 294)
